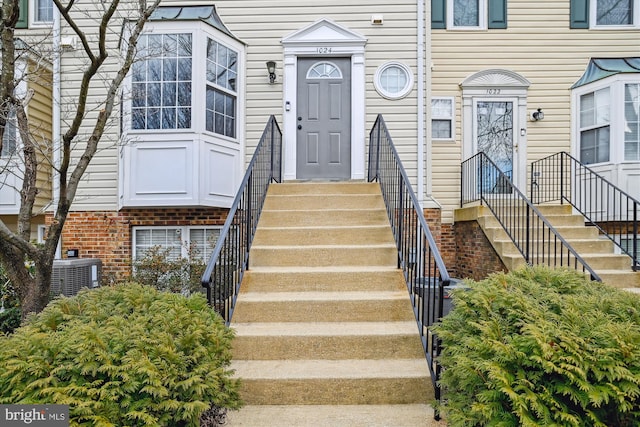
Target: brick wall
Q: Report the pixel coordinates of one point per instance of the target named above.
(475, 257)
(107, 235)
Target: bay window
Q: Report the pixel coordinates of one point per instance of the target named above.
(182, 131)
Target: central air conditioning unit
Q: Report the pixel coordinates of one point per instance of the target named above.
(71, 275)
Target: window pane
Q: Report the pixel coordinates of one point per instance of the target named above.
(594, 145)
(220, 112)
(441, 129)
(203, 241)
(594, 108)
(9, 138)
(442, 108)
(466, 13)
(169, 239)
(44, 11)
(162, 79)
(221, 65)
(614, 12)
(632, 122)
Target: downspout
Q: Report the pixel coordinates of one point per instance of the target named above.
(56, 95)
(421, 100)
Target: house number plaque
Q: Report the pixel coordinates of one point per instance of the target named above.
(324, 50)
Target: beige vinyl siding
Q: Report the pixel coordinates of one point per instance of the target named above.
(263, 24)
(540, 46)
(40, 120)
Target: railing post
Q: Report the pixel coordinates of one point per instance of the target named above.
(249, 219)
(635, 236)
(378, 138)
(480, 156)
(527, 235)
(272, 149)
(401, 218)
(562, 177)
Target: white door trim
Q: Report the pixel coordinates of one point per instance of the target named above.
(497, 85)
(324, 38)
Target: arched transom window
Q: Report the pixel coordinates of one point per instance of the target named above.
(324, 70)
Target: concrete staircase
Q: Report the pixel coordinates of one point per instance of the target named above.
(597, 251)
(325, 333)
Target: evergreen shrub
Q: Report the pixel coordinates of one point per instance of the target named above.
(126, 355)
(541, 347)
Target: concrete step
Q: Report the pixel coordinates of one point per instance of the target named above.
(323, 255)
(332, 279)
(412, 415)
(328, 217)
(319, 202)
(327, 235)
(324, 188)
(591, 246)
(323, 307)
(334, 382)
(567, 232)
(326, 340)
(620, 279)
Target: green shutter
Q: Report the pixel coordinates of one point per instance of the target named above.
(497, 13)
(23, 19)
(579, 14)
(438, 14)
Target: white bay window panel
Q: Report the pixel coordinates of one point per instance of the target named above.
(182, 132)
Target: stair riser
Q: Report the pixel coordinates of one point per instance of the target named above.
(323, 202)
(324, 188)
(373, 391)
(324, 311)
(586, 247)
(323, 218)
(322, 257)
(327, 347)
(323, 236)
(621, 280)
(567, 233)
(255, 281)
(554, 220)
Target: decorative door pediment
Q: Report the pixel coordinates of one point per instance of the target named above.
(324, 32)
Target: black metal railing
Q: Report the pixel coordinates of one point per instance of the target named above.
(561, 177)
(418, 254)
(536, 239)
(230, 257)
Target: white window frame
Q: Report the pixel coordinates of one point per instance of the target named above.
(593, 10)
(380, 87)
(450, 118)
(483, 13)
(200, 34)
(33, 14)
(179, 229)
(616, 85)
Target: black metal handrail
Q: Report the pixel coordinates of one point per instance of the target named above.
(230, 257)
(562, 177)
(418, 255)
(536, 239)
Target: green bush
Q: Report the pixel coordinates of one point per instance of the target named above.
(541, 347)
(126, 355)
(9, 305)
(159, 269)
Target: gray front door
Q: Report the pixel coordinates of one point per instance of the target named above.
(324, 118)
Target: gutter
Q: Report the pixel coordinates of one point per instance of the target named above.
(56, 94)
(421, 99)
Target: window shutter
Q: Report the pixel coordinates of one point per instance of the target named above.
(438, 14)
(497, 13)
(579, 14)
(23, 19)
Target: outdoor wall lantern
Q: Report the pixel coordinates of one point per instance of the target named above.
(537, 115)
(271, 67)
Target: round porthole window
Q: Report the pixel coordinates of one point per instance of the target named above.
(393, 80)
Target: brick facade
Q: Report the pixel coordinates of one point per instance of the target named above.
(475, 257)
(107, 235)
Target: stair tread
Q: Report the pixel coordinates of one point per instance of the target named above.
(407, 415)
(324, 328)
(325, 269)
(329, 246)
(323, 296)
(323, 369)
